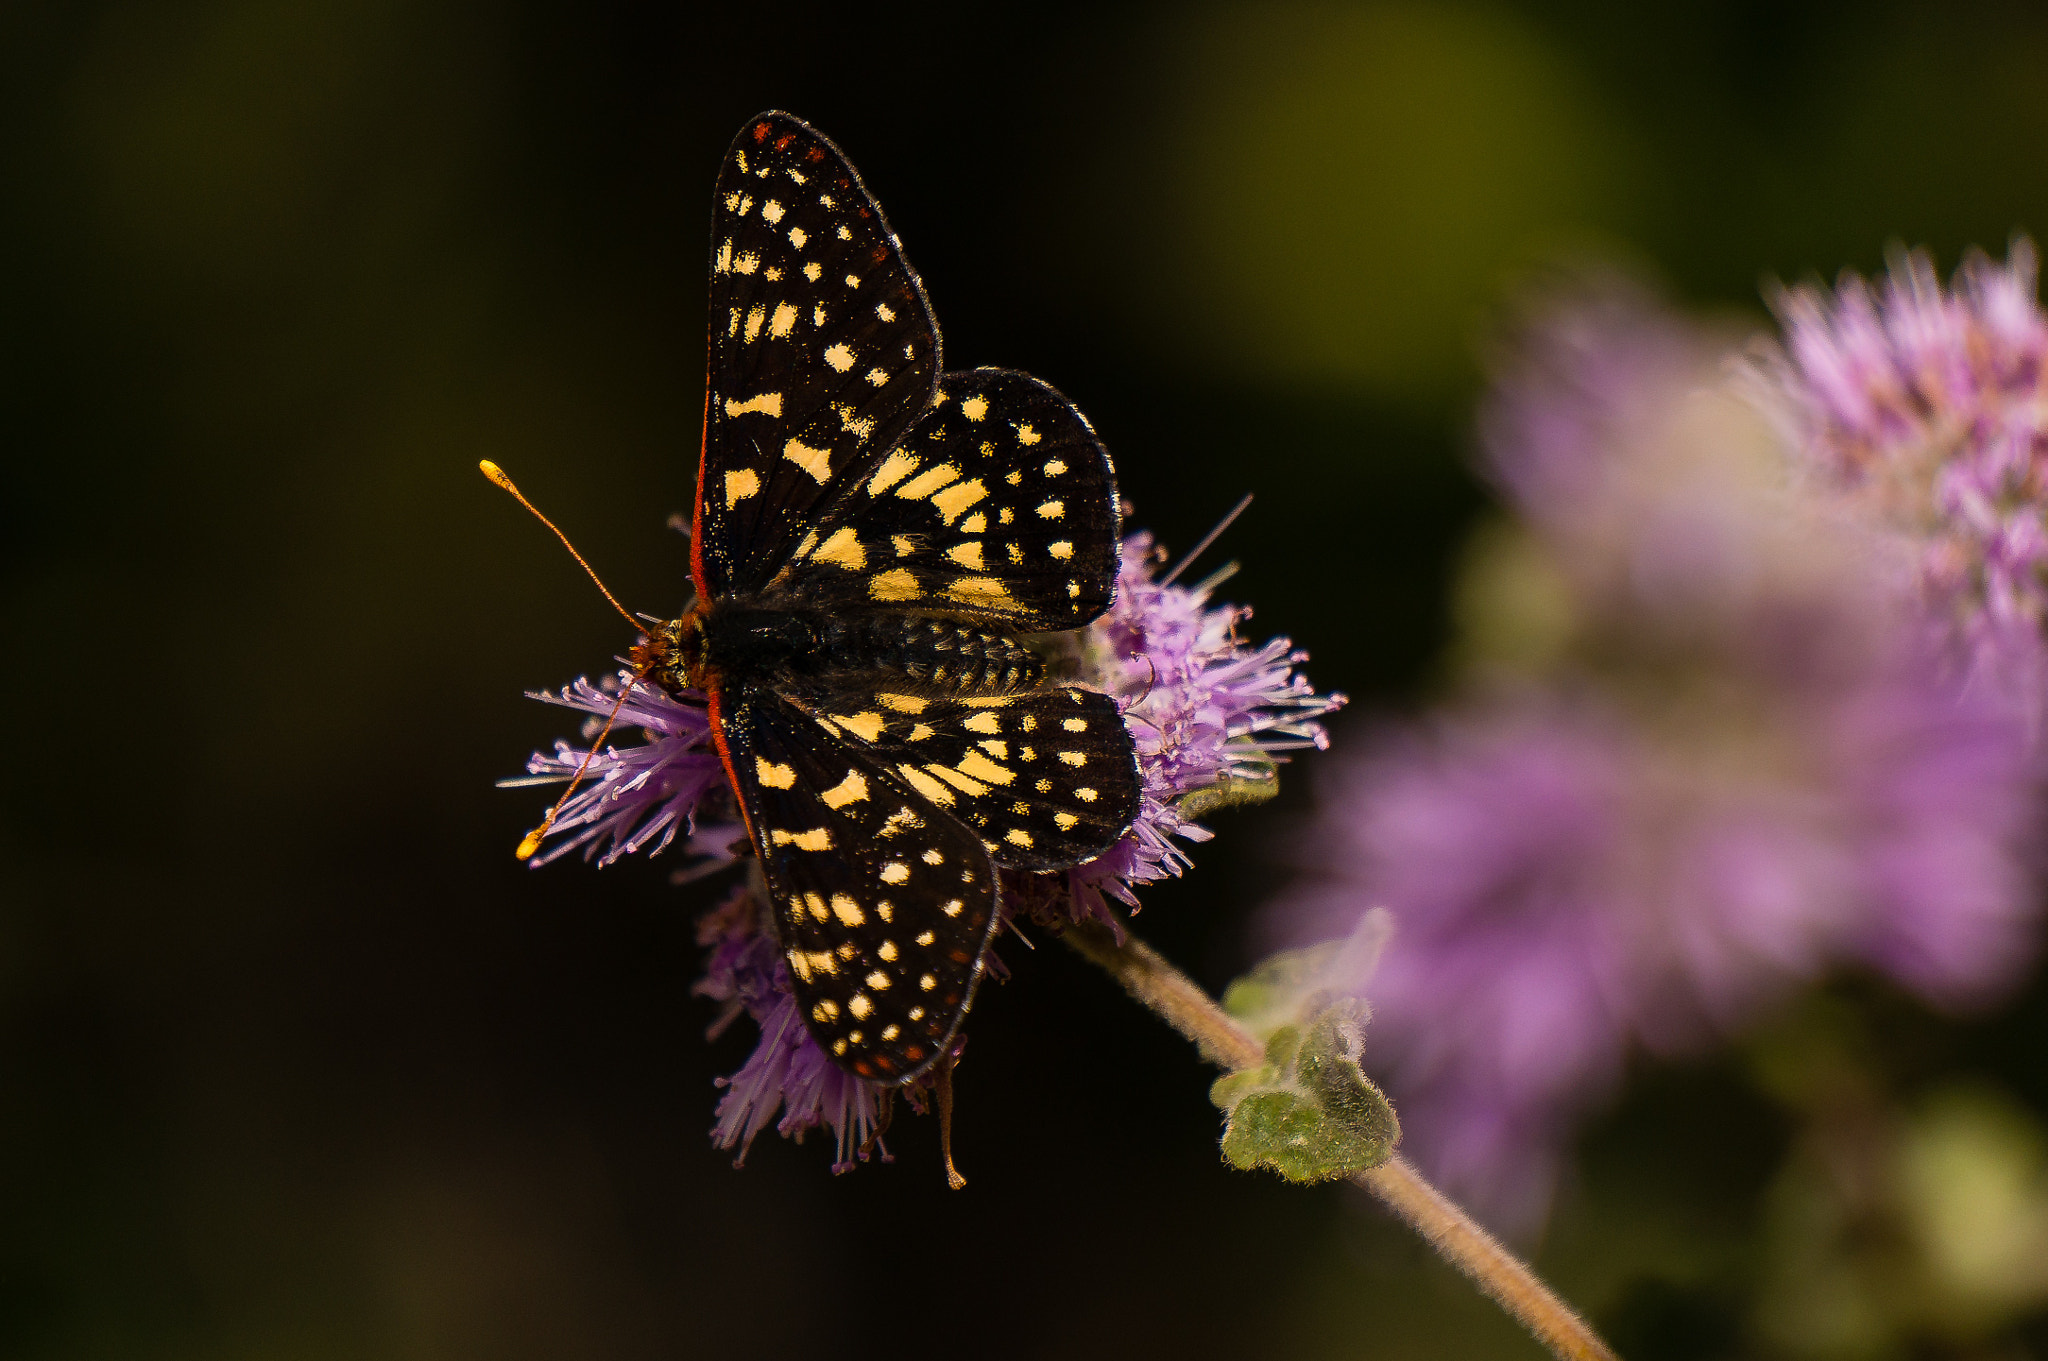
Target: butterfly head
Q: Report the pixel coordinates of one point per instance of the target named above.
(674, 655)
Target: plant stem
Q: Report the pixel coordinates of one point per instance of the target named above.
(1502, 1276)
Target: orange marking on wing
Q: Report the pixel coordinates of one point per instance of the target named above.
(715, 706)
(697, 512)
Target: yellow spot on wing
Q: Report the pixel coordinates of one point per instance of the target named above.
(816, 462)
(897, 466)
(979, 590)
(970, 787)
(1055, 467)
(852, 789)
(974, 408)
(740, 483)
(902, 704)
(844, 549)
(817, 839)
(1061, 549)
(1085, 794)
(773, 775)
(784, 320)
(927, 482)
(956, 499)
(1074, 724)
(897, 584)
(1073, 758)
(839, 357)
(967, 554)
(860, 1006)
(886, 951)
(768, 403)
(1066, 821)
(895, 872)
(866, 726)
(989, 702)
(920, 731)
(983, 722)
(974, 524)
(1018, 837)
(1027, 436)
(757, 315)
(847, 910)
(926, 785)
(981, 768)
(1052, 510)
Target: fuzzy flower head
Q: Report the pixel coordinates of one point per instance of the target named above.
(1209, 715)
(1929, 405)
(637, 796)
(1733, 767)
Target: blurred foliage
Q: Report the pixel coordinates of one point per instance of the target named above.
(295, 1061)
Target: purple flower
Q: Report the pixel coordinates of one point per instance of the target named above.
(1733, 765)
(788, 1071)
(1929, 407)
(632, 797)
(1204, 710)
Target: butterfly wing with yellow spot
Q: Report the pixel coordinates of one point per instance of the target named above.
(1047, 778)
(883, 906)
(999, 505)
(823, 349)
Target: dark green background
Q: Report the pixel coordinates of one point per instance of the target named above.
(296, 1061)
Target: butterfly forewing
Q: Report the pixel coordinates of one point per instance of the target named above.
(1046, 778)
(883, 905)
(822, 347)
(998, 505)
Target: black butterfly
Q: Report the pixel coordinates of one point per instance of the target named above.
(871, 538)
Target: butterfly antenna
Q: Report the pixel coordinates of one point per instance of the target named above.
(532, 840)
(497, 475)
(1185, 562)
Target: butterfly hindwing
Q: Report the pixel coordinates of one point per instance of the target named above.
(998, 505)
(883, 905)
(823, 349)
(1046, 778)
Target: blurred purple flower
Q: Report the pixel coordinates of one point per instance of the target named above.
(1929, 406)
(1734, 766)
(1203, 708)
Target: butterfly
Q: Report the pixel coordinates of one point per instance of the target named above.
(872, 542)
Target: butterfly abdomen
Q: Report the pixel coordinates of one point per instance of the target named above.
(738, 642)
(938, 654)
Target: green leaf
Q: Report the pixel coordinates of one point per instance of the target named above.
(1309, 1113)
